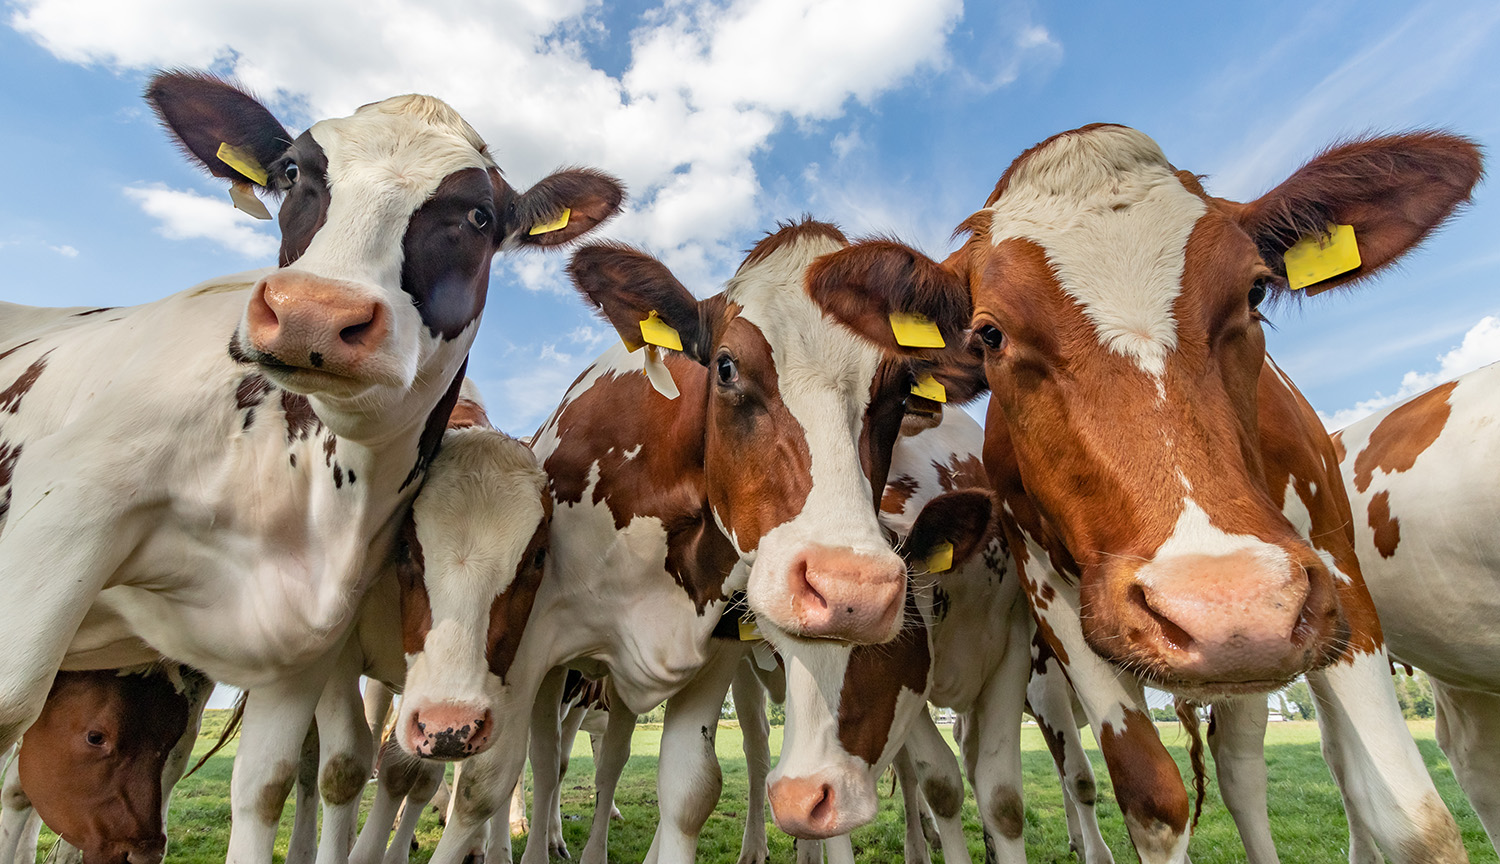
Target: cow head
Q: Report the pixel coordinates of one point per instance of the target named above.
(92, 762)
(799, 416)
(848, 708)
(1113, 308)
(389, 219)
(471, 558)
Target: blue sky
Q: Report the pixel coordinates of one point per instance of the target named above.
(724, 117)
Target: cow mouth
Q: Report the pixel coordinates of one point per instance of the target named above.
(299, 378)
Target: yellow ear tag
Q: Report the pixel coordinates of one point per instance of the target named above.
(659, 375)
(915, 331)
(929, 387)
(941, 558)
(242, 162)
(658, 332)
(244, 199)
(557, 224)
(1313, 259)
(748, 631)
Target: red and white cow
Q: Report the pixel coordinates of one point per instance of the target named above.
(1142, 442)
(245, 449)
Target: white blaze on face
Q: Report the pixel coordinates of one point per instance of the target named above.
(1194, 535)
(1114, 221)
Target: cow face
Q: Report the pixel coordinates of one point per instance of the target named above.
(389, 220)
(92, 762)
(797, 414)
(848, 708)
(472, 556)
(1114, 305)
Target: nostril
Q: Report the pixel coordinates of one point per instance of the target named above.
(1174, 635)
(822, 811)
(803, 586)
(355, 334)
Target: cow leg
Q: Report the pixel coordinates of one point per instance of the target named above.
(1053, 703)
(1236, 736)
(809, 851)
(15, 813)
(429, 775)
(916, 851)
(992, 744)
(546, 743)
(344, 757)
(377, 702)
(1376, 763)
(397, 775)
(481, 787)
(302, 847)
(1468, 730)
(840, 849)
(596, 744)
(516, 818)
(942, 784)
(750, 707)
(557, 846)
(609, 764)
(688, 778)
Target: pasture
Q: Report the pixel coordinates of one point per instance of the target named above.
(1306, 813)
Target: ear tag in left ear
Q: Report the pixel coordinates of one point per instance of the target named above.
(929, 387)
(941, 559)
(243, 162)
(914, 330)
(244, 199)
(1313, 259)
(748, 631)
(655, 331)
(557, 224)
(659, 375)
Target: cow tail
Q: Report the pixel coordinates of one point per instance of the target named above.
(1187, 713)
(231, 729)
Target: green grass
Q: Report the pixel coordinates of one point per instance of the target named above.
(1306, 813)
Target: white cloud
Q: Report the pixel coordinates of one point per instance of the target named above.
(1481, 347)
(65, 250)
(186, 215)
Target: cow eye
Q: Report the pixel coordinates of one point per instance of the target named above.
(480, 218)
(538, 558)
(291, 171)
(95, 738)
(1257, 293)
(728, 373)
(991, 336)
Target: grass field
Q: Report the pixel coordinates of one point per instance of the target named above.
(1306, 813)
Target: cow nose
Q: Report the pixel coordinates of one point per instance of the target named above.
(149, 852)
(841, 594)
(449, 731)
(310, 322)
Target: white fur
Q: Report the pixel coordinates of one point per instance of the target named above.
(1194, 534)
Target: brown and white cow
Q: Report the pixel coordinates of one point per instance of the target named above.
(1142, 441)
(244, 450)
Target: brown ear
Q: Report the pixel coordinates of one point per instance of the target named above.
(1394, 190)
(861, 286)
(627, 285)
(961, 518)
(202, 112)
(590, 196)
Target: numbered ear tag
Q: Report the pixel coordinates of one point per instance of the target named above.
(1313, 259)
(557, 224)
(941, 559)
(244, 199)
(914, 330)
(659, 375)
(243, 162)
(748, 631)
(929, 387)
(658, 332)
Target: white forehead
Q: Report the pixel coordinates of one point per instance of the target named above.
(1114, 220)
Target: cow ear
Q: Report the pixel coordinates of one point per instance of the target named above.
(628, 285)
(562, 207)
(1393, 190)
(864, 284)
(204, 113)
(960, 519)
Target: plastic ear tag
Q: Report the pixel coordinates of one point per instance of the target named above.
(244, 199)
(748, 631)
(1313, 259)
(242, 162)
(659, 375)
(658, 332)
(929, 387)
(914, 330)
(557, 224)
(941, 559)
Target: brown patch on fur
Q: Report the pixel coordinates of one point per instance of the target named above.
(301, 420)
(10, 397)
(467, 413)
(943, 797)
(1387, 527)
(1404, 435)
(509, 611)
(1007, 811)
(961, 473)
(416, 607)
(251, 390)
(788, 233)
(873, 681)
(9, 455)
(342, 779)
(1147, 785)
(1339, 451)
(13, 349)
(897, 493)
(437, 424)
(272, 797)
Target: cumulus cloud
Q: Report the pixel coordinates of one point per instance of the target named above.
(186, 215)
(1481, 347)
(65, 250)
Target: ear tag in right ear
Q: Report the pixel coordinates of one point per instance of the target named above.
(655, 331)
(242, 162)
(659, 375)
(941, 559)
(244, 199)
(748, 631)
(1313, 259)
(929, 387)
(557, 224)
(914, 330)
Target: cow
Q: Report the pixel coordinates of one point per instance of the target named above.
(98, 765)
(245, 449)
(1145, 447)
